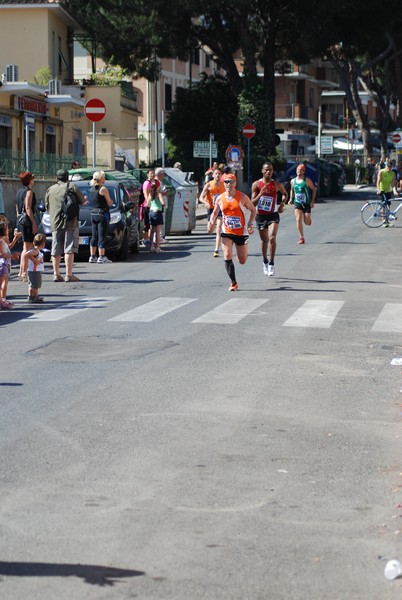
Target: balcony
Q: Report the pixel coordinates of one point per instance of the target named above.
(295, 112)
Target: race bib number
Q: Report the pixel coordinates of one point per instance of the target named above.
(265, 203)
(300, 198)
(233, 222)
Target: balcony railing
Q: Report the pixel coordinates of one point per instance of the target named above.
(42, 165)
(295, 111)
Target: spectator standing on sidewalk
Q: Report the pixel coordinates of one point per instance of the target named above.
(1, 199)
(35, 268)
(155, 203)
(160, 175)
(65, 233)
(100, 217)
(26, 202)
(5, 263)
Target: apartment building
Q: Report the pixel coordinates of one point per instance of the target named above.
(154, 99)
(48, 121)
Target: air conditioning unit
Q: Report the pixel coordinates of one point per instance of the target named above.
(54, 87)
(11, 73)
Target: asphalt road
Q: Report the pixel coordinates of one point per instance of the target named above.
(162, 438)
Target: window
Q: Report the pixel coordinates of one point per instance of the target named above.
(207, 60)
(168, 96)
(195, 56)
(311, 98)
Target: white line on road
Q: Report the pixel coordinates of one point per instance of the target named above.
(315, 313)
(230, 312)
(70, 309)
(389, 319)
(153, 310)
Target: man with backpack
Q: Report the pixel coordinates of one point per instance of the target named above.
(59, 202)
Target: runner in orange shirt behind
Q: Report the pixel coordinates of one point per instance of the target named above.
(212, 189)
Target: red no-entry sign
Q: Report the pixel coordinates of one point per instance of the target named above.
(249, 130)
(95, 110)
(396, 137)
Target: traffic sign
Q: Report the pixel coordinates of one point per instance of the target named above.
(396, 137)
(201, 149)
(327, 144)
(234, 153)
(95, 110)
(248, 130)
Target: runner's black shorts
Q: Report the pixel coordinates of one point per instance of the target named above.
(264, 221)
(306, 208)
(239, 240)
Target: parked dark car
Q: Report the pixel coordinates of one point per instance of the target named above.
(123, 230)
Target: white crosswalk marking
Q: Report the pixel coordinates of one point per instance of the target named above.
(230, 312)
(70, 309)
(315, 313)
(153, 310)
(390, 319)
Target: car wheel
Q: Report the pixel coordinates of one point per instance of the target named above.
(123, 252)
(135, 248)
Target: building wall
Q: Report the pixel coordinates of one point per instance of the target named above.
(29, 38)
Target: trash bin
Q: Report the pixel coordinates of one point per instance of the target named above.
(181, 213)
(337, 178)
(324, 186)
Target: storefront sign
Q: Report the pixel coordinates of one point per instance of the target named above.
(30, 105)
(5, 121)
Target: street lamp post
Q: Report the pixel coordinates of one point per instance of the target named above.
(211, 139)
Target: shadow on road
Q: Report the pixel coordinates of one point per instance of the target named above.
(93, 574)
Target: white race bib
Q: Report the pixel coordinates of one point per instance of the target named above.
(233, 222)
(265, 203)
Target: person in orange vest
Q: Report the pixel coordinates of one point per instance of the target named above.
(213, 189)
(233, 203)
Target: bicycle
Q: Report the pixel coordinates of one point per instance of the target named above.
(377, 213)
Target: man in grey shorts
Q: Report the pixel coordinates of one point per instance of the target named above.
(65, 234)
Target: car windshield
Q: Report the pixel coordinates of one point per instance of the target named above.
(88, 194)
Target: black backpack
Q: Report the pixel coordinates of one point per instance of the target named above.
(70, 206)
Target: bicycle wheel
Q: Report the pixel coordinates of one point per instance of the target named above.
(373, 213)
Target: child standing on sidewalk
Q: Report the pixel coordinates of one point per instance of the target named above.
(5, 263)
(35, 268)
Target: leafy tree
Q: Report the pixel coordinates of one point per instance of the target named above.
(366, 56)
(362, 40)
(43, 76)
(209, 106)
(134, 33)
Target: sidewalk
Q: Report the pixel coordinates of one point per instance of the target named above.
(200, 212)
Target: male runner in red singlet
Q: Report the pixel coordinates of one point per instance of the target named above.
(233, 203)
(264, 197)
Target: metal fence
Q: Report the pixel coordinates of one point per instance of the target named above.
(42, 165)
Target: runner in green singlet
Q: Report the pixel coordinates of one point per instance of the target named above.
(302, 194)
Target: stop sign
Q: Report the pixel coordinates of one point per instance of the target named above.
(249, 131)
(396, 137)
(95, 110)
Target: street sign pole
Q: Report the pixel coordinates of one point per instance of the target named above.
(93, 144)
(95, 111)
(27, 144)
(248, 165)
(211, 139)
(249, 132)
